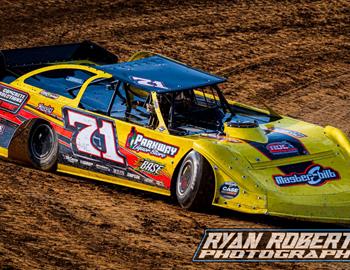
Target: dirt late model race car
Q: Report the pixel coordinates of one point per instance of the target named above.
(158, 125)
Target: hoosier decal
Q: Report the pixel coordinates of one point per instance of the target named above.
(140, 143)
(314, 175)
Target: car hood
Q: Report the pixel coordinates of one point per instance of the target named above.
(294, 157)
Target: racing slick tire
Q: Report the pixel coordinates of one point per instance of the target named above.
(195, 183)
(36, 144)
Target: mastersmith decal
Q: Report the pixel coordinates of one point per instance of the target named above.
(140, 143)
(314, 175)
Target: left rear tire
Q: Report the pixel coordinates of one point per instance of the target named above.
(35, 144)
(43, 146)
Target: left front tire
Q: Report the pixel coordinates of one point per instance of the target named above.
(195, 183)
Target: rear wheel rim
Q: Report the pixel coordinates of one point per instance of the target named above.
(42, 142)
(185, 179)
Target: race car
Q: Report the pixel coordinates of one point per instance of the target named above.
(156, 124)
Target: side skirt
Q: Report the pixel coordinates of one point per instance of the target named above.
(110, 179)
(3, 152)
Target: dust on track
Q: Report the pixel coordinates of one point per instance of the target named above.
(295, 54)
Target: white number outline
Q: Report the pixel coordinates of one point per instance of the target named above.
(89, 129)
(148, 82)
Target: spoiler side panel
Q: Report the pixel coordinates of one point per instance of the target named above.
(85, 50)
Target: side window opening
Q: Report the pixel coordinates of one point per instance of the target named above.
(60, 81)
(139, 109)
(97, 97)
(192, 110)
(117, 100)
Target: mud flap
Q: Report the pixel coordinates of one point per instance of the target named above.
(3, 152)
(7, 131)
(12, 101)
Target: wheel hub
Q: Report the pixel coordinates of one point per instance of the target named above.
(185, 178)
(42, 141)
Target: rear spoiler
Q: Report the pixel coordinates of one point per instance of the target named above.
(27, 57)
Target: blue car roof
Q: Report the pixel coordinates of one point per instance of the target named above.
(160, 74)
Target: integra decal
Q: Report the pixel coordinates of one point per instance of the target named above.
(279, 148)
(12, 100)
(315, 175)
(140, 143)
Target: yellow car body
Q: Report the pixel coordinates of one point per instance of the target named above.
(263, 188)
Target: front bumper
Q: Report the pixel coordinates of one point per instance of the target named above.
(330, 208)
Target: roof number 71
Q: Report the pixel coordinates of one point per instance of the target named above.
(147, 82)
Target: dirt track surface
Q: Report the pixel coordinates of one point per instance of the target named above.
(295, 54)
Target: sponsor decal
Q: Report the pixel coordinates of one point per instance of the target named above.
(151, 167)
(70, 159)
(161, 129)
(74, 80)
(314, 175)
(49, 95)
(140, 143)
(133, 176)
(280, 148)
(118, 172)
(220, 138)
(229, 190)
(86, 163)
(2, 129)
(102, 167)
(47, 109)
(12, 100)
(289, 132)
(153, 182)
(273, 245)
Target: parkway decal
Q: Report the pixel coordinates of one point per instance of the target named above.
(314, 175)
(140, 143)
